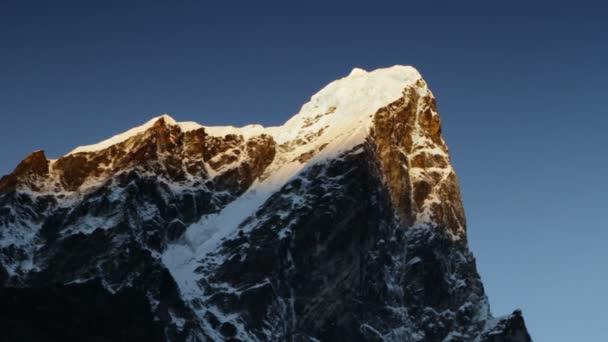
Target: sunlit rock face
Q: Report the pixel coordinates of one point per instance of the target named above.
(343, 224)
(415, 162)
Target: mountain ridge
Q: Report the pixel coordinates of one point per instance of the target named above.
(236, 220)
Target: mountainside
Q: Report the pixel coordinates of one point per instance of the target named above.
(344, 224)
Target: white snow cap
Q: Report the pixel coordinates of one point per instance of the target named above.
(357, 71)
(117, 139)
(350, 100)
(123, 136)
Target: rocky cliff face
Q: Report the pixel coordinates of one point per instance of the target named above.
(344, 224)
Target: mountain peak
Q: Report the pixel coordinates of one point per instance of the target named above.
(357, 71)
(30, 170)
(165, 118)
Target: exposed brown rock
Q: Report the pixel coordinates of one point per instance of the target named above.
(262, 149)
(74, 170)
(194, 147)
(304, 157)
(421, 191)
(396, 128)
(217, 145)
(247, 161)
(163, 149)
(33, 168)
(425, 160)
(393, 126)
(311, 121)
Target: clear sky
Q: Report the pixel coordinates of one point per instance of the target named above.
(520, 87)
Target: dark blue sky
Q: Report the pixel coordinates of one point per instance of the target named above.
(520, 86)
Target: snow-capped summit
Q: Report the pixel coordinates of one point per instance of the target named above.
(357, 71)
(165, 118)
(350, 99)
(344, 223)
